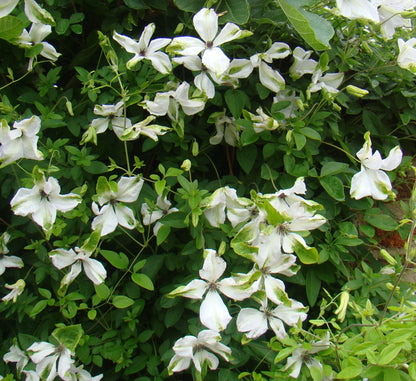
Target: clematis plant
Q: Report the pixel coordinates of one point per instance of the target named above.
(7, 261)
(213, 312)
(358, 9)
(146, 49)
(407, 54)
(43, 201)
(198, 350)
(111, 198)
(206, 25)
(153, 214)
(16, 290)
(372, 180)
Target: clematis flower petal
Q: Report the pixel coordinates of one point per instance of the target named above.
(215, 60)
(270, 78)
(213, 313)
(214, 266)
(7, 6)
(252, 321)
(94, 270)
(206, 24)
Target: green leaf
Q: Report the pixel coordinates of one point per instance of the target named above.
(334, 187)
(306, 255)
(38, 307)
(236, 100)
(96, 168)
(389, 353)
(349, 372)
(143, 280)
(69, 336)
(412, 370)
(119, 261)
(246, 157)
(332, 168)
(313, 286)
(102, 290)
(310, 133)
(381, 221)
(300, 141)
(62, 25)
(92, 314)
(10, 28)
(121, 301)
(238, 11)
(314, 29)
(189, 5)
(162, 234)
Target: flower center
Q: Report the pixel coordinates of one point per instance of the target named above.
(210, 44)
(143, 53)
(43, 195)
(212, 286)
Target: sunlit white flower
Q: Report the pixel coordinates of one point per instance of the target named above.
(16, 289)
(358, 9)
(238, 68)
(302, 356)
(372, 180)
(18, 356)
(168, 103)
(146, 49)
(226, 129)
(255, 322)
(111, 199)
(79, 259)
(43, 201)
(7, 6)
(407, 54)
(35, 36)
(21, 141)
(36, 14)
(262, 121)
(303, 63)
(31, 375)
(288, 96)
(161, 209)
(206, 25)
(80, 374)
(328, 82)
(145, 128)
(213, 312)
(51, 360)
(198, 350)
(269, 77)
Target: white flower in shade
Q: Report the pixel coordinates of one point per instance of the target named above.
(51, 360)
(238, 68)
(303, 63)
(372, 180)
(198, 350)
(302, 356)
(262, 121)
(328, 82)
(80, 374)
(36, 14)
(16, 289)
(226, 129)
(269, 77)
(213, 312)
(43, 201)
(144, 127)
(288, 96)
(111, 198)
(168, 103)
(31, 375)
(7, 261)
(146, 49)
(407, 54)
(35, 36)
(255, 322)
(206, 25)
(79, 259)
(18, 356)
(358, 9)
(161, 209)
(21, 141)
(7, 6)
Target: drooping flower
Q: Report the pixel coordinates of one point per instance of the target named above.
(226, 129)
(255, 322)
(51, 360)
(111, 198)
(144, 127)
(288, 96)
(372, 180)
(16, 289)
(7, 261)
(262, 121)
(161, 209)
(206, 25)
(407, 54)
(198, 350)
(7, 6)
(168, 103)
(80, 374)
(328, 82)
(358, 9)
(36, 14)
(21, 141)
(35, 36)
(213, 312)
(79, 259)
(43, 201)
(303, 63)
(146, 49)
(18, 356)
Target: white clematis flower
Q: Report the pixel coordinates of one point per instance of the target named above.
(328, 82)
(371, 180)
(18, 356)
(407, 54)
(7, 6)
(303, 64)
(111, 198)
(226, 129)
(7, 261)
(144, 127)
(168, 103)
(35, 36)
(21, 141)
(161, 209)
(198, 350)
(51, 360)
(79, 259)
(288, 96)
(358, 9)
(256, 322)
(146, 49)
(80, 374)
(262, 121)
(16, 289)
(43, 201)
(213, 312)
(206, 25)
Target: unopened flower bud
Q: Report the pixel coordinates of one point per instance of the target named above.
(389, 259)
(221, 249)
(390, 286)
(68, 105)
(186, 165)
(408, 14)
(343, 305)
(356, 91)
(179, 28)
(195, 148)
